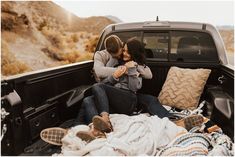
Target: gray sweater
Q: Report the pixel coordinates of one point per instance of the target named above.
(130, 81)
(104, 66)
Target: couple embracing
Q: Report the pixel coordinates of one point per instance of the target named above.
(119, 69)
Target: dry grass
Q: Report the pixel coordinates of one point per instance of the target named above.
(68, 57)
(65, 40)
(42, 25)
(53, 53)
(8, 21)
(85, 57)
(9, 64)
(75, 38)
(71, 57)
(55, 37)
(9, 37)
(91, 44)
(64, 45)
(228, 37)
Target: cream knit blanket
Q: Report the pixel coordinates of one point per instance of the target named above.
(132, 135)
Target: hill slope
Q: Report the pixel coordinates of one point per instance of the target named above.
(38, 35)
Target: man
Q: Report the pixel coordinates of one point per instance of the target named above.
(104, 62)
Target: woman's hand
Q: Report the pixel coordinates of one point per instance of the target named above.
(130, 64)
(119, 72)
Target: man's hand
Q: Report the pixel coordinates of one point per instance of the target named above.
(130, 64)
(119, 72)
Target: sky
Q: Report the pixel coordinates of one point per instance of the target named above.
(213, 12)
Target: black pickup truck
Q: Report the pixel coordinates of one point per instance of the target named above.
(36, 100)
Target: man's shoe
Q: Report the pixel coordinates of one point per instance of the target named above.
(53, 135)
(190, 121)
(89, 136)
(85, 136)
(101, 124)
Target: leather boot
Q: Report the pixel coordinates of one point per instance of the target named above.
(102, 122)
(90, 135)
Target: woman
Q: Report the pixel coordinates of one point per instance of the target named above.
(117, 93)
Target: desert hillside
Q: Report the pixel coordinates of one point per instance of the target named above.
(38, 35)
(228, 37)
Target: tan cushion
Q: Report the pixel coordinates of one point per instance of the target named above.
(183, 87)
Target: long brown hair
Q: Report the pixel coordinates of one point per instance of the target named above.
(136, 50)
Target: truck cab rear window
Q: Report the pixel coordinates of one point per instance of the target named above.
(156, 45)
(192, 47)
(182, 46)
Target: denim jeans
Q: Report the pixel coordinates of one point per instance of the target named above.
(152, 105)
(87, 111)
(119, 100)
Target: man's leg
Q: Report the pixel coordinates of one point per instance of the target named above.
(87, 111)
(107, 96)
(100, 98)
(152, 105)
(85, 115)
(90, 109)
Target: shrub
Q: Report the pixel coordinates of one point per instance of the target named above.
(85, 57)
(91, 44)
(9, 64)
(54, 37)
(74, 38)
(53, 53)
(71, 57)
(8, 21)
(42, 25)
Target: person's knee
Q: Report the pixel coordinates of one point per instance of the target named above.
(96, 87)
(96, 84)
(88, 100)
(146, 98)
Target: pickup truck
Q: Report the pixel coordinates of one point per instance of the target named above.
(36, 100)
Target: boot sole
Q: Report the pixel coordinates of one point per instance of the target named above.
(53, 135)
(193, 121)
(85, 136)
(100, 124)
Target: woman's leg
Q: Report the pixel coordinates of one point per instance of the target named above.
(152, 105)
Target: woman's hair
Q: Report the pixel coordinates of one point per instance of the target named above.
(136, 50)
(113, 44)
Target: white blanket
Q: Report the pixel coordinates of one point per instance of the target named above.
(132, 135)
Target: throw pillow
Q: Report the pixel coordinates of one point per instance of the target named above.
(183, 87)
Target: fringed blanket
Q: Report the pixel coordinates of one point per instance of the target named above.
(147, 135)
(132, 135)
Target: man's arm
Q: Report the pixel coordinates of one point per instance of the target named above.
(145, 72)
(100, 61)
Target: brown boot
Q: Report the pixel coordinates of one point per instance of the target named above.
(90, 135)
(102, 123)
(189, 122)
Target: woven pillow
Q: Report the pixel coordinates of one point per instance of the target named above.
(183, 87)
